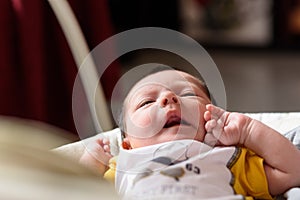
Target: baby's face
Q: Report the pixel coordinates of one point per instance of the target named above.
(165, 106)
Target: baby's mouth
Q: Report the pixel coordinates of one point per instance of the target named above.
(175, 121)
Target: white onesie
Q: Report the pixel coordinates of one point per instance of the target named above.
(183, 169)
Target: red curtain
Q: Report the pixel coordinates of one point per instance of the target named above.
(37, 69)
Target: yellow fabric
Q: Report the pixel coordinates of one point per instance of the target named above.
(111, 172)
(249, 175)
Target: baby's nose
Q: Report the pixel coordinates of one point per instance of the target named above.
(168, 98)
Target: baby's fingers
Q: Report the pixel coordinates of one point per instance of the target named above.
(207, 115)
(215, 111)
(102, 141)
(105, 144)
(210, 125)
(106, 148)
(211, 140)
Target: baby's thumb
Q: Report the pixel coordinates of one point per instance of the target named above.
(211, 140)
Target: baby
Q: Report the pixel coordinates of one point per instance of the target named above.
(179, 145)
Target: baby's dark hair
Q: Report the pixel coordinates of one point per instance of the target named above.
(157, 69)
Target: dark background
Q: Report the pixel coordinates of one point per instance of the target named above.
(37, 69)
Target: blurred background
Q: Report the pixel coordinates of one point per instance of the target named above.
(255, 44)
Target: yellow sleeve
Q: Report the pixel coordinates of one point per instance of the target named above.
(110, 173)
(249, 175)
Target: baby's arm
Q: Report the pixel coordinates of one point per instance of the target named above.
(282, 158)
(97, 155)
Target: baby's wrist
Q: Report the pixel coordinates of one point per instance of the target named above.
(247, 129)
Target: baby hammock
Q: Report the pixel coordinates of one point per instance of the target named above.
(88, 76)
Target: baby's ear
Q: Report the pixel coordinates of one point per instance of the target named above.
(126, 144)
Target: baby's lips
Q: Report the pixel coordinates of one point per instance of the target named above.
(175, 120)
(172, 121)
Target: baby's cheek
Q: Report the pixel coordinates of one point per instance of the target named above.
(137, 125)
(142, 122)
(202, 110)
(198, 116)
(144, 125)
(196, 113)
(143, 119)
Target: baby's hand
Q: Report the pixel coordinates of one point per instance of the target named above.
(225, 128)
(97, 155)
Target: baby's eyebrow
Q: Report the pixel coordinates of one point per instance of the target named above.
(142, 93)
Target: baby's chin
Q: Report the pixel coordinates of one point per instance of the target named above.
(183, 134)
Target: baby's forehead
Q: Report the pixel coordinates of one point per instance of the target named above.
(169, 79)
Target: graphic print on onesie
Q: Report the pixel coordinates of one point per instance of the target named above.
(182, 169)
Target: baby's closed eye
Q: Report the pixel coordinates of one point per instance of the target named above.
(188, 94)
(145, 102)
